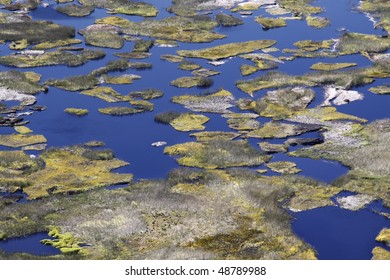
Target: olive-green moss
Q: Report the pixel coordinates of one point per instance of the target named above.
(19, 45)
(273, 148)
(188, 82)
(55, 44)
(317, 22)
(65, 242)
(351, 43)
(205, 136)
(380, 89)
(102, 35)
(22, 129)
(142, 105)
(299, 6)
(35, 31)
(248, 69)
(74, 169)
(20, 140)
(331, 66)
(123, 7)
(284, 167)
(384, 236)
(147, 94)
(228, 20)
(120, 80)
(76, 111)
(196, 29)
(143, 45)
(188, 65)
(276, 129)
(378, 9)
(216, 154)
(189, 122)
(22, 82)
(106, 93)
(51, 58)
(166, 117)
(268, 23)
(218, 102)
(75, 83)
(74, 10)
(120, 111)
(378, 253)
(309, 45)
(227, 50)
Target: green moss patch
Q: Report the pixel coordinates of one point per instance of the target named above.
(189, 122)
(123, 7)
(268, 23)
(119, 111)
(51, 58)
(20, 140)
(218, 102)
(331, 66)
(76, 111)
(147, 94)
(276, 129)
(317, 22)
(74, 10)
(188, 82)
(103, 35)
(227, 50)
(216, 154)
(284, 167)
(380, 89)
(196, 29)
(106, 93)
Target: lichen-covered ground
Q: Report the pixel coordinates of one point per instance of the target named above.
(228, 195)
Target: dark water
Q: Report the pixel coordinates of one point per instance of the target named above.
(29, 244)
(335, 233)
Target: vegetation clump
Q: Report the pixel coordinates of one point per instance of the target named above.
(20, 140)
(228, 20)
(284, 167)
(74, 10)
(227, 50)
(76, 111)
(123, 7)
(166, 117)
(147, 94)
(120, 111)
(275, 129)
(331, 66)
(268, 23)
(218, 102)
(380, 89)
(24, 60)
(196, 81)
(102, 35)
(106, 93)
(195, 29)
(143, 45)
(216, 154)
(317, 22)
(189, 122)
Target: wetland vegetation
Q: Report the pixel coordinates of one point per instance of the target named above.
(244, 123)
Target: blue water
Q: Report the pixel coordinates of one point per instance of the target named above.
(335, 233)
(29, 244)
(338, 234)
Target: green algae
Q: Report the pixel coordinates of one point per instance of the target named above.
(284, 167)
(74, 10)
(216, 154)
(189, 122)
(317, 22)
(218, 102)
(268, 23)
(20, 140)
(51, 58)
(188, 82)
(106, 93)
(227, 50)
(196, 29)
(76, 111)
